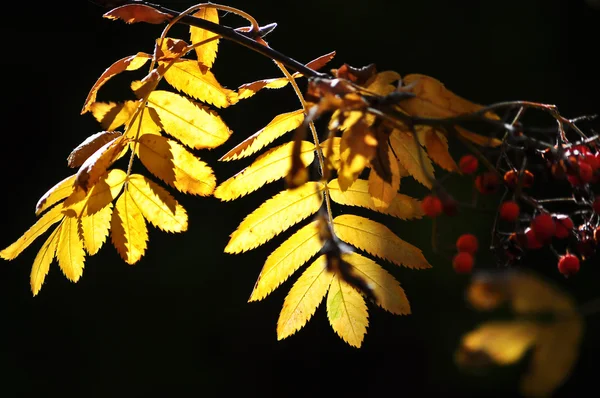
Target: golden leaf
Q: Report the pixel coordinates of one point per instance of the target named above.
(383, 192)
(206, 53)
(147, 122)
(42, 261)
(90, 146)
(303, 298)
(175, 165)
(186, 121)
(111, 115)
(357, 147)
(96, 165)
(132, 13)
(55, 194)
(274, 216)
(133, 62)
(268, 167)
(169, 48)
(406, 149)
(378, 240)
(347, 312)
(249, 89)
(53, 216)
(186, 76)
(331, 151)
(156, 204)
(390, 296)
(80, 204)
(381, 83)
(280, 125)
(129, 232)
(437, 148)
(286, 259)
(69, 251)
(94, 228)
(402, 206)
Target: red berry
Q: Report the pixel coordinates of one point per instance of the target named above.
(463, 262)
(593, 161)
(532, 241)
(564, 225)
(468, 164)
(487, 183)
(585, 172)
(543, 226)
(432, 206)
(509, 211)
(467, 243)
(568, 264)
(596, 205)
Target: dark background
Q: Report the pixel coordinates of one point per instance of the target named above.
(178, 321)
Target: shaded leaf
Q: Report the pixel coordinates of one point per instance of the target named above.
(42, 261)
(303, 298)
(175, 165)
(357, 147)
(111, 115)
(280, 125)
(80, 204)
(186, 121)
(347, 312)
(378, 240)
(383, 192)
(90, 146)
(96, 165)
(147, 122)
(55, 194)
(402, 206)
(317, 63)
(274, 216)
(156, 204)
(129, 233)
(270, 166)
(286, 259)
(133, 62)
(132, 13)
(206, 53)
(94, 228)
(407, 152)
(390, 296)
(437, 148)
(70, 253)
(381, 83)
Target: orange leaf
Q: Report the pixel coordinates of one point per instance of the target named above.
(132, 13)
(96, 165)
(88, 147)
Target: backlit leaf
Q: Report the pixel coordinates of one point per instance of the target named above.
(274, 216)
(381, 83)
(402, 206)
(303, 298)
(80, 204)
(406, 149)
(90, 146)
(270, 166)
(378, 240)
(186, 76)
(94, 228)
(70, 253)
(383, 192)
(206, 53)
(96, 165)
(390, 296)
(186, 121)
(175, 165)
(42, 261)
(249, 89)
(129, 233)
(53, 216)
(347, 312)
(436, 144)
(286, 259)
(280, 125)
(331, 151)
(147, 122)
(357, 147)
(111, 115)
(156, 204)
(133, 62)
(132, 13)
(55, 194)
(317, 63)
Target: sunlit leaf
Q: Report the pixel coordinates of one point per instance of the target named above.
(347, 312)
(249, 89)
(94, 228)
(132, 13)
(383, 192)
(111, 115)
(357, 147)
(129, 232)
(90, 146)
(96, 165)
(206, 53)
(80, 204)
(55, 194)
(42, 261)
(70, 253)
(407, 150)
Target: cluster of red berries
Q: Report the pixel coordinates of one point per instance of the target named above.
(578, 164)
(463, 261)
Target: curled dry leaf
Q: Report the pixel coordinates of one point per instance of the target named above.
(88, 147)
(132, 13)
(96, 165)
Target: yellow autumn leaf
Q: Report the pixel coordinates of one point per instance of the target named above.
(69, 251)
(274, 216)
(249, 89)
(286, 259)
(156, 204)
(186, 76)
(303, 298)
(357, 147)
(268, 167)
(331, 151)
(147, 122)
(55, 194)
(80, 204)
(381, 83)
(53, 216)
(436, 144)
(129, 232)
(383, 192)
(42, 261)
(111, 115)
(90, 146)
(378, 240)
(406, 149)
(390, 296)
(189, 123)
(280, 125)
(347, 312)
(206, 53)
(130, 63)
(96, 165)
(94, 228)
(175, 165)
(402, 206)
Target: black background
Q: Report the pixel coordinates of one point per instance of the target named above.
(178, 322)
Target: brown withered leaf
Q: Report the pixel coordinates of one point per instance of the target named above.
(88, 147)
(317, 63)
(132, 13)
(133, 62)
(359, 76)
(96, 165)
